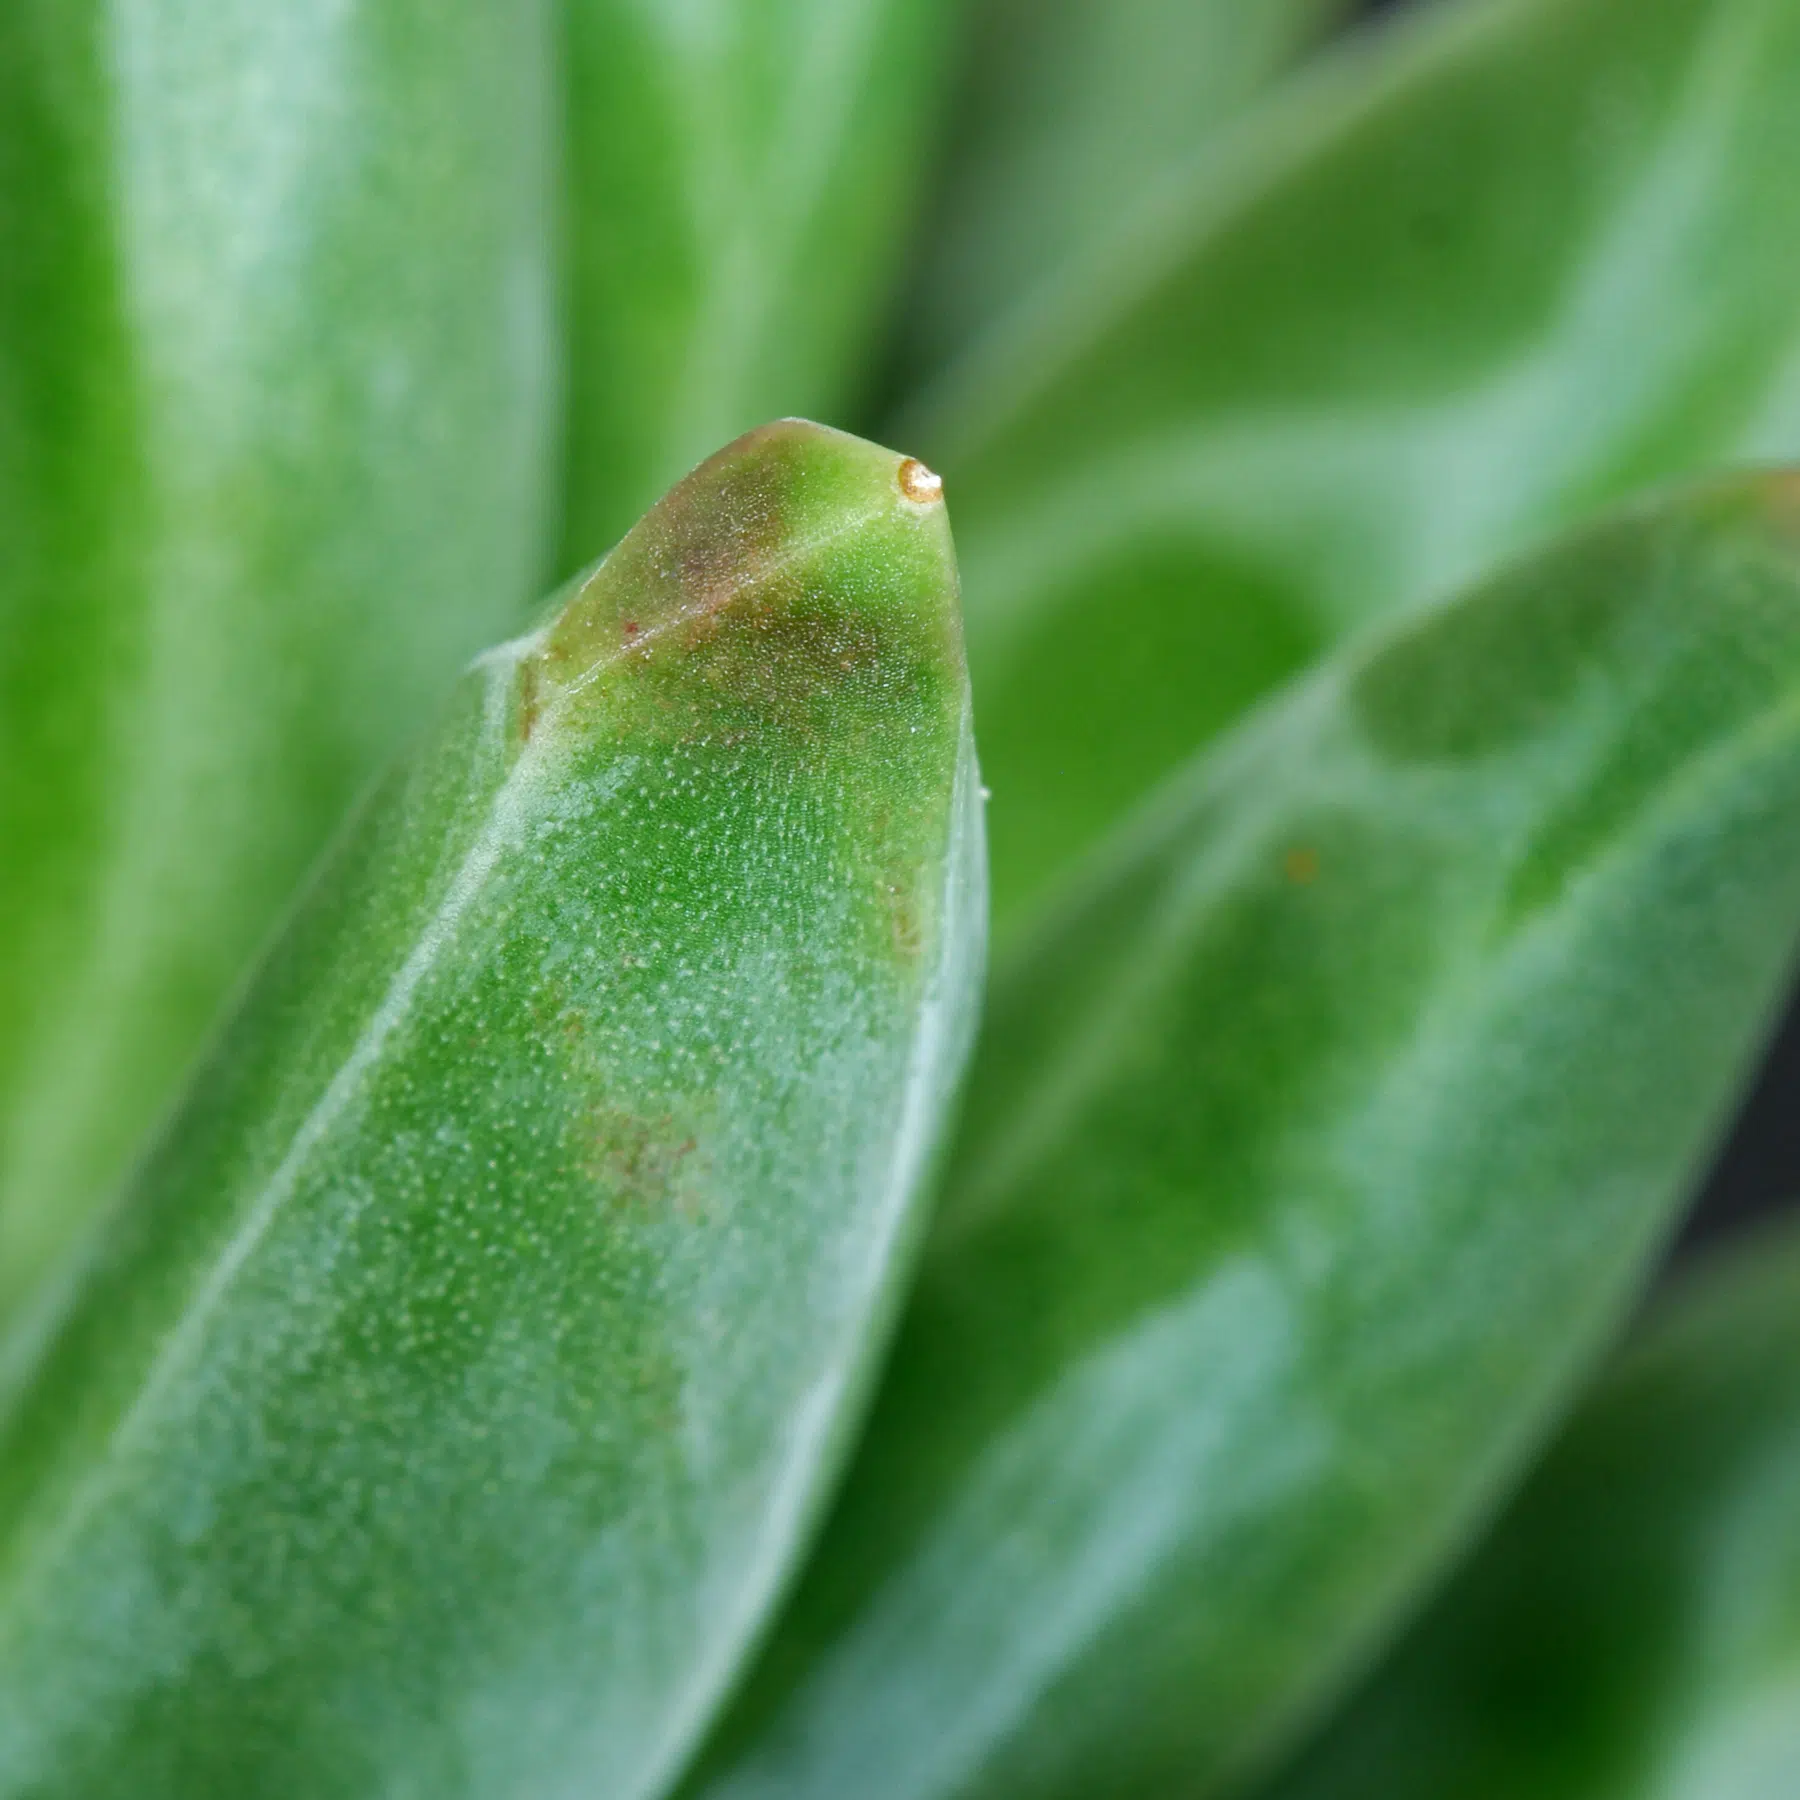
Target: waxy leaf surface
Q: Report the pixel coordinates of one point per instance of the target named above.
(1511, 259)
(443, 1408)
(1632, 1630)
(274, 427)
(1069, 111)
(1308, 1154)
(741, 178)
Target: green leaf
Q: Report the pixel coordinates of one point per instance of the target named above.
(274, 426)
(444, 1407)
(1069, 111)
(741, 179)
(1309, 1153)
(1511, 261)
(1632, 1631)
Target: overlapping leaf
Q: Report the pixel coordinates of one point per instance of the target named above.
(741, 176)
(444, 1407)
(1515, 260)
(274, 423)
(1633, 1629)
(1308, 1155)
(1069, 111)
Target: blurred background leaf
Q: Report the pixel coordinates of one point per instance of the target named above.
(740, 183)
(276, 364)
(1067, 111)
(1476, 275)
(1309, 1155)
(1632, 1629)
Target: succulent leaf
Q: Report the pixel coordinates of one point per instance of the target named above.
(741, 179)
(1632, 1629)
(1069, 111)
(1508, 261)
(1310, 1152)
(275, 423)
(444, 1406)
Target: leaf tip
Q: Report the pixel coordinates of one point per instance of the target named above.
(794, 573)
(918, 484)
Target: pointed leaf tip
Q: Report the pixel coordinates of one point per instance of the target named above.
(797, 586)
(470, 1360)
(795, 596)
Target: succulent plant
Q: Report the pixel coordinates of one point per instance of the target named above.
(536, 1260)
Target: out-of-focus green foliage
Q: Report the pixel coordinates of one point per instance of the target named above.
(1489, 273)
(275, 433)
(1307, 1153)
(447, 1406)
(446, 1403)
(1632, 1632)
(1070, 113)
(740, 174)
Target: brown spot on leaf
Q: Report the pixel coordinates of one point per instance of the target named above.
(642, 1162)
(1301, 866)
(904, 925)
(1781, 491)
(920, 485)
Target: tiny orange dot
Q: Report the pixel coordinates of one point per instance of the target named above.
(919, 484)
(1301, 866)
